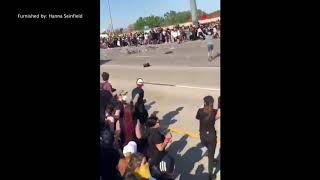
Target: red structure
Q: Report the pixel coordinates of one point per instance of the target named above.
(203, 17)
(209, 16)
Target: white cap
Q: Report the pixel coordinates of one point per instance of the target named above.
(139, 81)
(131, 147)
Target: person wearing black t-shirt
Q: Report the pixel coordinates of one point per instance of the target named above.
(208, 136)
(140, 111)
(157, 142)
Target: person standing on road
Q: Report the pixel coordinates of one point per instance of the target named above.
(140, 111)
(208, 135)
(209, 39)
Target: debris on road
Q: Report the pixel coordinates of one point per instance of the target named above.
(146, 65)
(168, 52)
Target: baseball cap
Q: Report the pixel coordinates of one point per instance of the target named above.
(140, 81)
(131, 147)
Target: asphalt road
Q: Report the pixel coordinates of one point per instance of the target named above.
(192, 53)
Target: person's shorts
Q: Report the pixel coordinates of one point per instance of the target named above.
(210, 47)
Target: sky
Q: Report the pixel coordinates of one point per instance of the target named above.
(125, 12)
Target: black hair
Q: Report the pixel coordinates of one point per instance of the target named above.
(152, 121)
(208, 100)
(208, 104)
(105, 76)
(107, 139)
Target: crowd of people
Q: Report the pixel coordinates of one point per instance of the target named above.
(160, 35)
(133, 146)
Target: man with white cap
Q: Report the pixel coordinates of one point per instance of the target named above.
(128, 150)
(140, 111)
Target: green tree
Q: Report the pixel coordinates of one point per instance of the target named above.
(139, 24)
(169, 18)
(151, 21)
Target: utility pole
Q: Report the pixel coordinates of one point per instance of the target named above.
(110, 16)
(194, 13)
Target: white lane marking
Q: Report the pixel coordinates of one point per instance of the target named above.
(143, 56)
(194, 87)
(182, 86)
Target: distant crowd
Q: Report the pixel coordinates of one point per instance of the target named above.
(159, 35)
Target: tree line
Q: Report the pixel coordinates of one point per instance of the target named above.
(169, 18)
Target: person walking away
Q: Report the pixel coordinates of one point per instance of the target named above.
(209, 39)
(140, 111)
(208, 136)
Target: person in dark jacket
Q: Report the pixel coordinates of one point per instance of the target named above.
(140, 111)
